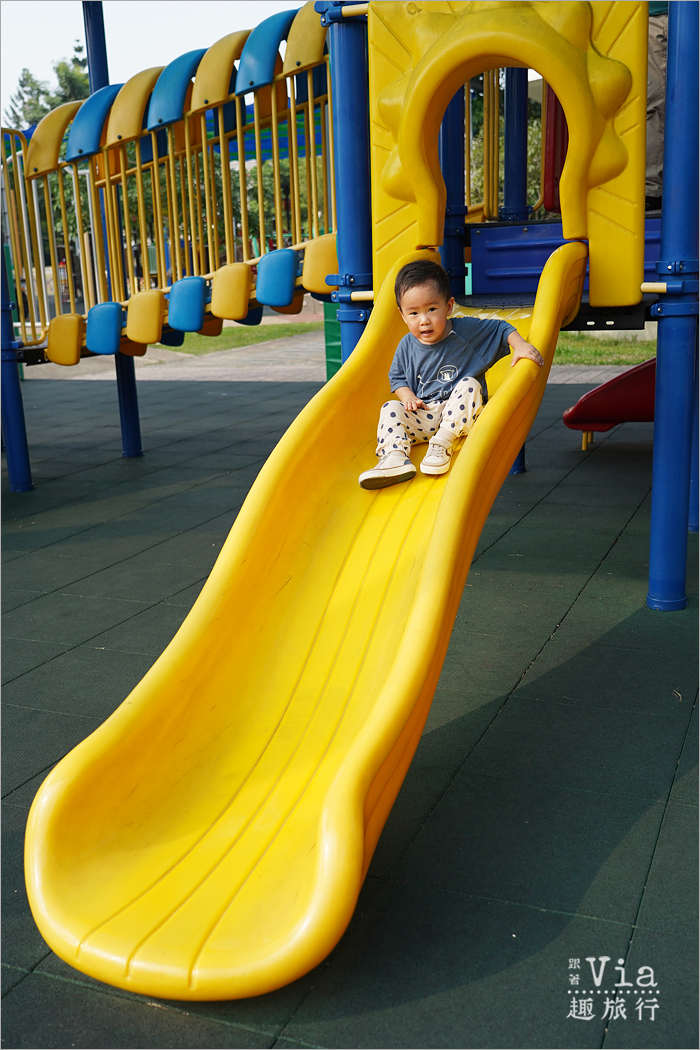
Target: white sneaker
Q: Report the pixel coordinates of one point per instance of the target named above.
(390, 469)
(436, 459)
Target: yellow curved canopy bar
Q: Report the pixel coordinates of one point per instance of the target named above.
(305, 41)
(45, 143)
(126, 115)
(214, 71)
(209, 841)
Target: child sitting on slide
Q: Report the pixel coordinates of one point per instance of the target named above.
(437, 375)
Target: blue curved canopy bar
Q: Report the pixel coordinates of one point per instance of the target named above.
(256, 68)
(167, 103)
(86, 130)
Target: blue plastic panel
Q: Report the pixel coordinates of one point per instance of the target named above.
(188, 298)
(168, 99)
(320, 84)
(277, 272)
(86, 129)
(147, 146)
(257, 65)
(104, 328)
(508, 259)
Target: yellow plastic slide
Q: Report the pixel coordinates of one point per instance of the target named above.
(209, 841)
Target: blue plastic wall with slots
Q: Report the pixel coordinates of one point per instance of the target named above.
(510, 259)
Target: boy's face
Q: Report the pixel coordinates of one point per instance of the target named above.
(425, 312)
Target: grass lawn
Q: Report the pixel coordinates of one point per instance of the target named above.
(579, 348)
(243, 335)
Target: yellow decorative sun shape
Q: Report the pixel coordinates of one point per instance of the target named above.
(449, 44)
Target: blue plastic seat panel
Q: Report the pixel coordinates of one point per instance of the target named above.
(277, 273)
(187, 303)
(104, 328)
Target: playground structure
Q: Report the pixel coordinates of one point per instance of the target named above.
(205, 843)
(156, 241)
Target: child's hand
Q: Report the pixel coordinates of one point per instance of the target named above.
(408, 399)
(412, 403)
(529, 351)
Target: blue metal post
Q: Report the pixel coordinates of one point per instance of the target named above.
(93, 20)
(519, 465)
(126, 374)
(451, 148)
(13, 426)
(515, 204)
(694, 509)
(677, 317)
(347, 43)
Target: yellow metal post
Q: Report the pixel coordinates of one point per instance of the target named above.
(311, 154)
(242, 182)
(259, 172)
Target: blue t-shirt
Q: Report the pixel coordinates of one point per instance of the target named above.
(431, 372)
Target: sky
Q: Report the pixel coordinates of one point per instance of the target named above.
(140, 33)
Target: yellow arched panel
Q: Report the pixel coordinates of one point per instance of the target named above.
(305, 41)
(126, 115)
(214, 71)
(45, 144)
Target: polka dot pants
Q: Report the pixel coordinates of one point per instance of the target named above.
(443, 420)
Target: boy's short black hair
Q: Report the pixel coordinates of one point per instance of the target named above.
(422, 271)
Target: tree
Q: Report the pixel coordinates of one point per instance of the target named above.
(72, 76)
(28, 104)
(34, 98)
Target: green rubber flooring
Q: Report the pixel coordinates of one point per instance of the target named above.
(549, 817)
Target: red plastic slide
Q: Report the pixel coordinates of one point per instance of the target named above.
(628, 398)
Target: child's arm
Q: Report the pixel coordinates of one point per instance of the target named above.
(408, 399)
(522, 349)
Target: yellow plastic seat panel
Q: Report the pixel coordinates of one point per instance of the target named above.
(144, 317)
(230, 291)
(65, 339)
(320, 259)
